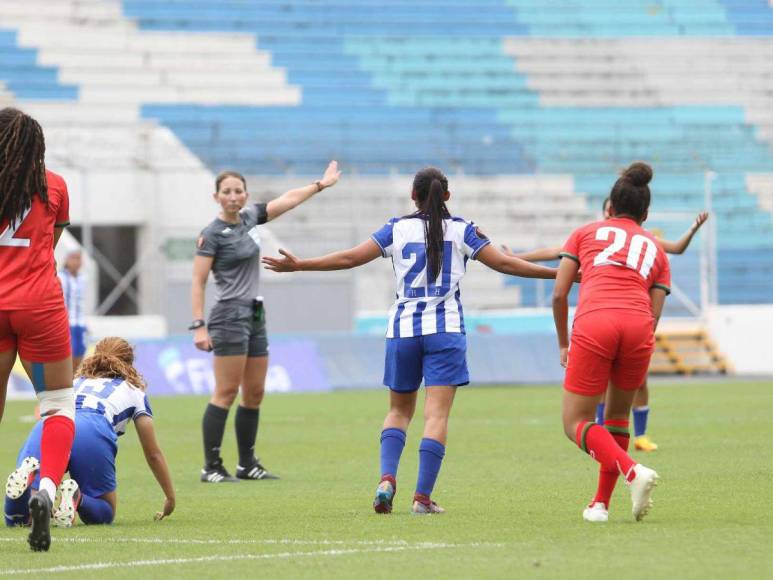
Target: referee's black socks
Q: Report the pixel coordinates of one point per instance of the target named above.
(246, 432)
(213, 427)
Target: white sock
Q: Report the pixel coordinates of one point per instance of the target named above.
(48, 486)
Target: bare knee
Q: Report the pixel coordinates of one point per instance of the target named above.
(253, 397)
(224, 395)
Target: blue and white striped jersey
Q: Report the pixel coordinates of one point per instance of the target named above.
(116, 399)
(74, 290)
(427, 306)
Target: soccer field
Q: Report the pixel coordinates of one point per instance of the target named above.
(513, 486)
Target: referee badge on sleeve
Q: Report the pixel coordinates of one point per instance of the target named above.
(200, 242)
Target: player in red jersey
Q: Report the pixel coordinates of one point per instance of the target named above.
(640, 408)
(34, 209)
(626, 278)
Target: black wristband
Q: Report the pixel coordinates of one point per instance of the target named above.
(319, 186)
(197, 324)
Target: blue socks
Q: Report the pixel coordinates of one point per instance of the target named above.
(640, 415)
(16, 511)
(600, 414)
(392, 444)
(431, 454)
(95, 511)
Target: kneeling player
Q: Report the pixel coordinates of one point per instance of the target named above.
(109, 393)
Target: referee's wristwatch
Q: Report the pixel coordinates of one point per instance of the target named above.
(197, 324)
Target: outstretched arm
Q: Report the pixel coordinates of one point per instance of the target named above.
(157, 463)
(295, 197)
(366, 252)
(496, 260)
(681, 245)
(539, 255)
(567, 272)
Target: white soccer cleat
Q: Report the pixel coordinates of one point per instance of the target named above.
(641, 487)
(21, 478)
(70, 497)
(596, 512)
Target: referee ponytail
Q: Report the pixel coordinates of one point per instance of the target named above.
(22, 164)
(113, 358)
(430, 192)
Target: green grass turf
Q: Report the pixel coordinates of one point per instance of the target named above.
(513, 486)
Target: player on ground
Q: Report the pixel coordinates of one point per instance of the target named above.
(34, 209)
(426, 335)
(109, 393)
(641, 407)
(626, 278)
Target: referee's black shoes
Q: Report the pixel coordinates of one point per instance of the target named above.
(216, 473)
(254, 471)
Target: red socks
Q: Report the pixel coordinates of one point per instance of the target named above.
(618, 428)
(597, 442)
(55, 447)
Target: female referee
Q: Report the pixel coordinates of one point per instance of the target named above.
(626, 278)
(110, 393)
(34, 210)
(229, 247)
(425, 336)
(641, 409)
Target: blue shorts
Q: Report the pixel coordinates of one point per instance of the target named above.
(78, 340)
(440, 359)
(92, 462)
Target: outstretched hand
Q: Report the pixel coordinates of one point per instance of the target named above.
(701, 219)
(289, 263)
(331, 176)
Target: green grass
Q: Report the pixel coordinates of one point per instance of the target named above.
(513, 486)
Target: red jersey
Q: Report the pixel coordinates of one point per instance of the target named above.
(27, 269)
(620, 262)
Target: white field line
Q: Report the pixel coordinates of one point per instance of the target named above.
(219, 558)
(267, 542)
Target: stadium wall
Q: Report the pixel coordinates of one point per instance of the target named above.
(321, 362)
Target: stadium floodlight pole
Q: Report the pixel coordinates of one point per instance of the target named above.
(708, 262)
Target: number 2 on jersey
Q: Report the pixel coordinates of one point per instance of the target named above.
(638, 245)
(419, 265)
(7, 235)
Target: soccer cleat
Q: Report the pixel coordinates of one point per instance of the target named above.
(70, 499)
(254, 471)
(40, 515)
(22, 477)
(641, 486)
(216, 473)
(643, 443)
(385, 495)
(422, 505)
(596, 512)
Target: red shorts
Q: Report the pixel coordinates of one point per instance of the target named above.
(41, 336)
(609, 346)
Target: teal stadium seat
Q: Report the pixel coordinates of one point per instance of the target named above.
(20, 72)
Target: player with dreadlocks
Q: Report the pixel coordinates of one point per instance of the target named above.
(34, 210)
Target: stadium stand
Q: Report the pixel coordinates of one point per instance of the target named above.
(531, 112)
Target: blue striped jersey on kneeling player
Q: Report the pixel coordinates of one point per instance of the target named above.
(427, 306)
(116, 399)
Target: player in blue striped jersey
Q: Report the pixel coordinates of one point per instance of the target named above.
(426, 339)
(109, 394)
